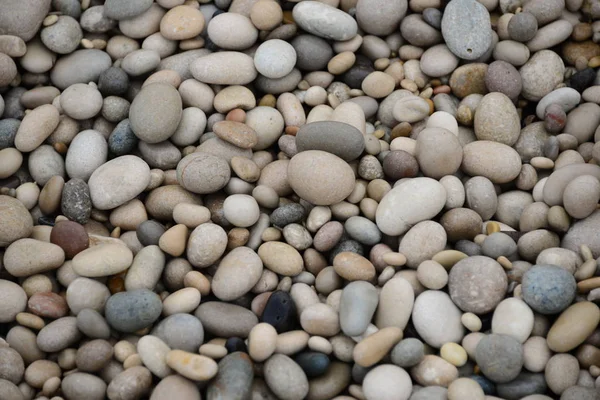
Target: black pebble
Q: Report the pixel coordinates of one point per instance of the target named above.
(234, 344)
(313, 363)
(49, 221)
(149, 232)
(280, 311)
(113, 82)
(359, 71)
(583, 79)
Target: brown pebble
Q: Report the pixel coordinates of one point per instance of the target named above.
(70, 236)
(48, 305)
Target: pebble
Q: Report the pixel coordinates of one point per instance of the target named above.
(548, 289)
(324, 21)
(495, 161)
(437, 319)
(132, 311)
(234, 378)
(226, 320)
(319, 177)
(467, 38)
(285, 377)
(26, 257)
(536, 85)
(133, 383)
(180, 331)
(502, 125)
(14, 300)
(357, 307)
(387, 382)
(500, 357)
(237, 273)
(280, 311)
(572, 328)
(334, 137)
(155, 112)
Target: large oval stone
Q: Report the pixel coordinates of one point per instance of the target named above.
(341, 139)
(155, 112)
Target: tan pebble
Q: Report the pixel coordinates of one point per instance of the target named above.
(182, 301)
(50, 195)
(266, 15)
(271, 234)
(281, 258)
(124, 349)
(103, 260)
(40, 371)
(173, 241)
(465, 388)
(454, 353)
(341, 62)
(408, 85)
(237, 237)
(246, 169)
(213, 351)
(262, 342)
(51, 386)
(10, 161)
(197, 280)
(87, 43)
(25, 257)
(588, 285)
(394, 259)
(237, 115)
(133, 360)
(132, 383)
(236, 133)
(292, 342)
(471, 322)
(320, 319)
(573, 326)
(36, 284)
(373, 348)
(585, 252)
(192, 366)
(50, 20)
(320, 344)
(191, 215)
(182, 22)
(586, 270)
(378, 84)
(542, 163)
(432, 275)
(434, 371)
(30, 321)
(448, 258)
(352, 266)
(492, 227)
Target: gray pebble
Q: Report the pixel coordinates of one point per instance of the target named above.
(341, 139)
(71, 8)
(180, 331)
(346, 245)
(312, 53)
(408, 353)
(149, 232)
(433, 17)
(122, 140)
(8, 131)
(81, 66)
(500, 357)
(522, 27)
(133, 310)
(76, 203)
(468, 247)
(363, 230)
(93, 324)
(548, 289)
(113, 82)
(467, 29)
(287, 214)
(498, 244)
(523, 385)
(504, 78)
(22, 18)
(125, 9)
(64, 36)
(93, 20)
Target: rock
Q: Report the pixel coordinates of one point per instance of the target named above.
(434, 371)
(357, 306)
(155, 112)
(380, 18)
(562, 372)
(275, 58)
(320, 178)
(86, 153)
(387, 382)
(553, 191)
(324, 21)
(26, 257)
(495, 161)
(514, 318)
(84, 293)
(81, 66)
(438, 152)
(525, 384)
(541, 74)
(334, 137)
(352, 266)
(522, 27)
(408, 353)
(281, 258)
(203, 173)
(411, 109)
(581, 121)
(548, 289)
(410, 202)
(567, 98)
(236, 133)
(48, 305)
(175, 386)
(182, 22)
(36, 127)
(422, 242)
(468, 38)
(396, 301)
(58, 335)
(280, 311)
(313, 363)
(180, 331)
(500, 357)
(363, 230)
(285, 378)
(573, 326)
(503, 77)
(437, 319)
(438, 61)
(496, 119)
(224, 68)
(132, 383)
(234, 379)
(237, 273)
(102, 260)
(581, 196)
(226, 320)
(76, 202)
(13, 300)
(17, 222)
(192, 366)
(122, 140)
(287, 214)
(64, 36)
(132, 311)
(82, 385)
(117, 9)
(22, 18)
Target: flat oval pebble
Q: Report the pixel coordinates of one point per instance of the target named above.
(285, 378)
(468, 38)
(573, 326)
(325, 21)
(334, 137)
(237, 273)
(132, 311)
(437, 319)
(155, 112)
(495, 161)
(319, 177)
(118, 181)
(224, 68)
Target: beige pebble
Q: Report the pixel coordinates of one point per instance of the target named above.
(454, 353)
(573, 326)
(394, 259)
(102, 260)
(373, 348)
(26, 257)
(262, 342)
(465, 388)
(320, 319)
(281, 258)
(182, 22)
(192, 366)
(292, 342)
(191, 215)
(173, 241)
(352, 266)
(471, 322)
(182, 301)
(378, 84)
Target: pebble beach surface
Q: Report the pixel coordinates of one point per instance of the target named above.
(322, 200)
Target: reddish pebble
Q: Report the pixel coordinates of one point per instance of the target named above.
(48, 305)
(442, 89)
(237, 115)
(291, 130)
(555, 118)
(70, 236)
